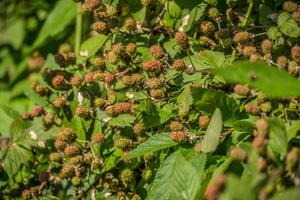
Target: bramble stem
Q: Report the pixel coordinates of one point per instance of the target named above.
(78, 30)
(249, 10)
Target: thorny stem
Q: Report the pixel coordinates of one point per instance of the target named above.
(78, 30)
(249, 10)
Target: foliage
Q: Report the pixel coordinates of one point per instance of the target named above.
(149, 99)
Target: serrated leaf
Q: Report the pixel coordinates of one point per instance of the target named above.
(270, 80)
(122, 120)
(175, 179)
(211, 138)
(185, 98)
(287, 25)
(278, 141)
(91, 46)
(195, 15)
(154, 143)
(290, 194)
(173, 9)
(207, 100)
(62, 15)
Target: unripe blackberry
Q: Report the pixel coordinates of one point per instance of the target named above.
(290, 6)
(64, 48)
(130, 24)
(197, 147)
(98, 76)
(153, 66)
(76, 160)
(238, 154)
(72, 150)
(75, 181)
(254, 57)
(179, 65)
(99, 63)
(147, 175)
(59, 144)
(117, 49)
(153, 83)
(136, 197)
(49, 118)
(58, 81)
(26, 116)
(123, 143)
(242, 37)
(296, 15)
(204, 121)
(59, 102)
(157, 93)
(43, 176)
(83, 112)
(137, 78)
(292, 158)
(282, 62)
(111, 11)
(258, 143)
(293, 68)
(130, 49)
(109, 78)
(41, 90)
(295, 53)
(266, 107)
(241, 90)
(89, 157)
(122, 107)
(179, 136)
(212, 191)
(75, 81)
(176, 126)
(147, 2)
(71, 58)
(127, 176)
(67, 135)
(36, 62)
(181, 39)
(248, 51)
(207, 27)
(156, 51)
(67, 171)
(213, 13)
(93, 4)
(60, 59)
(230, 15)
(100, 27)
(112, 98)
(266, 46)
(98, 138)
(262, 126)
(127, 80)
(252, 108)
(138, 128)
(222, 34)
(89, 77)
(111, 57)
(26, 194)
(55, 157)
(99, 102)
(37, 111)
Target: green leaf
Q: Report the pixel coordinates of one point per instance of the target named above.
(288, 26)
(270, 80)
(293, 129)
(17, 128)
(207, 100)
(264, 12)
(14, 34)
(92, 45)
(185, 98)
(175, 179)
(210, 59)
(171, 47)
(139, 13)
(237, 189)
(195, 15)
(62, 15)
(278, 140)
(290, 194)
(122, 120)
(154, 143)
(173, 9)
(211, 138)
(211, 2)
